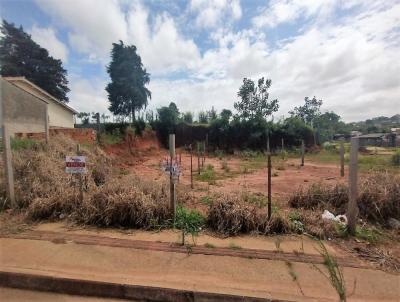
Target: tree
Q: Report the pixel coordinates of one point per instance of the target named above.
(203, 117)
(309, 111)
(84, 117)
(226, 115)
(21, 56)
(254, 99)
(187, 117)
(212, 114)
(127, 91)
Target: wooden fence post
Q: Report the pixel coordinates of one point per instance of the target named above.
(352, 208)
(171, 179)
(191, 167)
(302, 152)
(283, 145)
(78, 152)
(9, 172)
(341, 151)
(198, 158)
(46, 124)
(269, 168)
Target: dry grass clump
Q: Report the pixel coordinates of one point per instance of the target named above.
(378, 199)
(319, 195)
(229, 215)
(124, 203)
(39, 171)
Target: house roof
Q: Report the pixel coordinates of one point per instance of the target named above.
(372, 135)
(45, 95)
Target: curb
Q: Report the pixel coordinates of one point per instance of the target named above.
(57, 237)
(115, 290)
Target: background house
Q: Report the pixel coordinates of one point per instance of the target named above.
(60, 115)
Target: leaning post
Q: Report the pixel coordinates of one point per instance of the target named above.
(352, 209)
(171, 178)
(9, 173)
(269, 180)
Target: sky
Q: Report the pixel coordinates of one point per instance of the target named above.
(345, 52)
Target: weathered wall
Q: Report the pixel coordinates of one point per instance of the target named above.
(58, 115)
(22, 111)
(81, 135)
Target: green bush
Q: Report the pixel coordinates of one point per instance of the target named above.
(189, 222)
(22, 143)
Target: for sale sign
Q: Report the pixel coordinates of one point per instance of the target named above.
(75, 164)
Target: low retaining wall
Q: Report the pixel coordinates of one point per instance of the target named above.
(81, 135)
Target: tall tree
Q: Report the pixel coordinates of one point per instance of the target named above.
(21, 56)
(309, 111)
(254, 99)
(127, 91)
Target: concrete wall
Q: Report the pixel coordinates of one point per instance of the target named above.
(59, 116)
(22, 111)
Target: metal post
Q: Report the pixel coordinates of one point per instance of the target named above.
(9, 172)
(341, 150)
(352, 209)
(171, 179)
(302, 152)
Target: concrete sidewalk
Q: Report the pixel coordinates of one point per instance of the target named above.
(197, 277)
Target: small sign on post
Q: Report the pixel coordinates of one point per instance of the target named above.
(75, 164)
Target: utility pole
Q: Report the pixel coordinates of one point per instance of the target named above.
(171, 178)
(352, 208)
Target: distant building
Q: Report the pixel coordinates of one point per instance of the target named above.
(379, 139)
(60, 115)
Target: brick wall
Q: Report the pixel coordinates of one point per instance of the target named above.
(80, 135)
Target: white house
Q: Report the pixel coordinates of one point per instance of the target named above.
(60, 115)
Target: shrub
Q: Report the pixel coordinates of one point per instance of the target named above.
(188, 221)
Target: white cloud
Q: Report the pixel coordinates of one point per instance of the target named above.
(351, 62)
(88, 95)
(46, 38)
(93, 24)
(287, 11)
(212, 13)
(161, 46)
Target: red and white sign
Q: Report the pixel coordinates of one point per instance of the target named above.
(75, 164)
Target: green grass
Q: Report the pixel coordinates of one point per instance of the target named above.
(366, 162)
(110, 139)
(369, 234)
(22, 143)
(207, 200)
(335, 273)
(208, 175)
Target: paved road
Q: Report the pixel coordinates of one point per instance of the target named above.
(19, 295)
